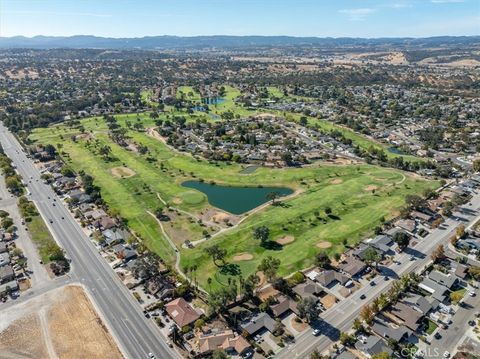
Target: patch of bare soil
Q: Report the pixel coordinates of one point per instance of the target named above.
(23, 339)
(77, 331)
(262, 277)
(324, 245)
(298, 326)
(336, 181)
(328, 301)
(177, 200)
(58, 324)
(122, 172)
(243, 257)
(371, 188)
(285, 240)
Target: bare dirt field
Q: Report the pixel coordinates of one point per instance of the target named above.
(285, 240)
(59, 324)
(123, 172)
(243, 257)
(324, 245)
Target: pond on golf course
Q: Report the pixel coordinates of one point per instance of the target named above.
(236, 200)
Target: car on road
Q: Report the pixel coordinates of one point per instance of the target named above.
(151, 355)
(372, 283)
(51, 221)
(471, 293)
(363, 296)
(386, 277)
(316, 332)
(471, 323)
(446, 354)
(438, 335)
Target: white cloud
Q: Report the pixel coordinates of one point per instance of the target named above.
(446, 1)
(357, 14)
(400, 5)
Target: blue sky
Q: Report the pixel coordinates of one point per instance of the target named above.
(136, 18)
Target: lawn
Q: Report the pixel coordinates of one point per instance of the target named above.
(360, 196)
(457, 295)
(431, 326)
(41, 237)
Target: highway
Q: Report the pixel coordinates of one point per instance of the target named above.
(341, 316)
(136, 335)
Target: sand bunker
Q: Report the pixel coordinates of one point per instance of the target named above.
(220, 216)
(243, 257)
(285, 240)
(122, 172)
(177, 200)
(336, 181)
(371, 188)
(324, 245)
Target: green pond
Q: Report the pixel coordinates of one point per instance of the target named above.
(236, 200)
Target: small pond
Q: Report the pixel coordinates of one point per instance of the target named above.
(395, 151)
(236, 200)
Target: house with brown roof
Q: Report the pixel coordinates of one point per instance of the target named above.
(181, 312)
(284, 304)
(225, 340)
(352, 266)
(308, 289)
(329, 277)
(407, 315)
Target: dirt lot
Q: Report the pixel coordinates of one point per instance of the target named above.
(59, 324)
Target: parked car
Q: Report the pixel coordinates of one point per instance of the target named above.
(316, 332)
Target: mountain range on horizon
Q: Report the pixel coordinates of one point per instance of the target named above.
(223, 41)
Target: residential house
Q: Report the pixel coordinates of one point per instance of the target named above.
(259, 322)
(373, 345)
(105, 223)
(352, 266)
(3, 247)
(181, 312)
(446, 280)
(398, 334)
(422, 217)
(421, 303)
(113, 236)
(438, 291)
(407, 315)
(124, 252)
(160, 287)
(4, 259)
(308, 289)
(284, 305)
(6, 274)
(384, 244)
(95, 214)
(79, 196)
(225, 340)
(362, 249)
(329, 277)
(461, 271)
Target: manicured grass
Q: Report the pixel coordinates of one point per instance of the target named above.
(431, 326)
(460, 293)
(41, 237)
(357, 206)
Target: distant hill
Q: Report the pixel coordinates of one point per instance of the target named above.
(199, 42)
